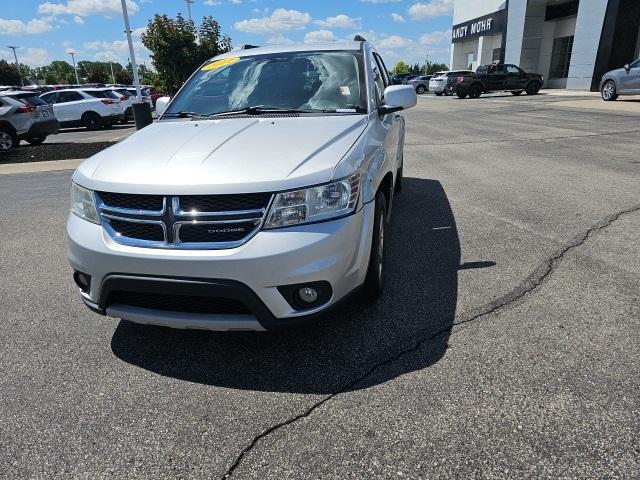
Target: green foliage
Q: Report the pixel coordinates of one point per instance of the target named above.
(61, 72)
(98, 73)
(400, 67)
(436, 67)
(8, 73)
(178, 47)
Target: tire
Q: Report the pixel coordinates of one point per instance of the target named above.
(8, 140)
(36, 140)
(475, 91)
(516, 92)
(374, 281)
(438, 94)
(448, 92)
(420, 89)
(92, 121)
(609, 92)
(533, 88)
(128, 115)
(461, 95)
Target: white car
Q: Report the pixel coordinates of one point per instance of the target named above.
(127, 99)
(144, 92)
(442, 82)
(92, 108)
(24, 116)
(259, 199)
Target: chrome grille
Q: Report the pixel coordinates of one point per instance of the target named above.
(182, 221)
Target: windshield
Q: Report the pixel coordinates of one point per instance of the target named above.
(330, 82)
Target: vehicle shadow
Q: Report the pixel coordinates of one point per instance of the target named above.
(419, 302)
(116, 126)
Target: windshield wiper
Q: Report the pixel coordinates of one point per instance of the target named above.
(258, 110)
(181, 114)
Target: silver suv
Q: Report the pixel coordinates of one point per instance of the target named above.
(621, 81)
(24, 116)
(259, 199)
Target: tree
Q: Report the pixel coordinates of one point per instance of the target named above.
(436, 67)
(62, 72)
(400, 67)
(8, 73)
(98, 73)
(178, 47)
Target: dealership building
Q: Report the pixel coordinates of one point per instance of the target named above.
(570, 42)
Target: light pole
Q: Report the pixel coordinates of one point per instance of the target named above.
(73, 59)
(189, 2)
(141, 110)
(17, 64)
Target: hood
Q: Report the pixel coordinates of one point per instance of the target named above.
(231, 155)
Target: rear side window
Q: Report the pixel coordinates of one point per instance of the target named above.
(69, 97)
(49, 98)
(29, 99)
(97, 94)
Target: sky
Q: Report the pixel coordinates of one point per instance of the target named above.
(47, 30)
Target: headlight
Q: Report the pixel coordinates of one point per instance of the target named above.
(315, 204)
(83, 203)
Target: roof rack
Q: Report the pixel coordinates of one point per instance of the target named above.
(359, 38)
(248, 47)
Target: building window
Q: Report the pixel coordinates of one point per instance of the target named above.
(496, 55)
(561, 57)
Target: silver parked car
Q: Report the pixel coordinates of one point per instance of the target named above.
(621, 81)
(420, 83)
(260, 198)
(24, 116)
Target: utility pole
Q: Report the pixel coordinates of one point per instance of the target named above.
(426, 65)
(141, 110)
(113, 77)
(17, 64)
(189, 2)
(134, 65)
(73, 59)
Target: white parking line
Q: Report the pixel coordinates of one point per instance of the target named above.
(31, 167)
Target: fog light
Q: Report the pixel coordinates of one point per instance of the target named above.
(308, 294)
(83, 281)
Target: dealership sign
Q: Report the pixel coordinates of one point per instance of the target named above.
(491, 24)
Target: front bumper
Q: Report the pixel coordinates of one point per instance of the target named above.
(41, 128)
(336, 252)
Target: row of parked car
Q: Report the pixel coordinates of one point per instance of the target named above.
(30, 115)
(440, 83)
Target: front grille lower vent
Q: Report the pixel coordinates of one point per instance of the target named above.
(179, 303)
(182, 221)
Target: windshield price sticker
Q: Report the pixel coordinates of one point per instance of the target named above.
(219, 64)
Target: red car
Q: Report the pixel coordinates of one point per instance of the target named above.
(153, 93)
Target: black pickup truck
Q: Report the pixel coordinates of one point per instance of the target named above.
(504, 77)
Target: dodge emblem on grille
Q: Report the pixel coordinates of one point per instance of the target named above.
(226, 230)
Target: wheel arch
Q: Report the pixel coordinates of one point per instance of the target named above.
(8, 126)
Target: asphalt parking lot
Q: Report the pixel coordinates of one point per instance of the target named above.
(506, 345)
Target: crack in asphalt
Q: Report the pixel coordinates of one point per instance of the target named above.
(527, 286)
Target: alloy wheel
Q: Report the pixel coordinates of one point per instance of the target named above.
(6, 142)
(608, 90)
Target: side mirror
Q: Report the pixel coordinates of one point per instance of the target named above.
(161, 105)
(398, 97)
(627, 67)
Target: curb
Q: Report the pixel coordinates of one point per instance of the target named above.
(47, 166)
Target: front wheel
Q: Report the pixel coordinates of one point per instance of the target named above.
(374, 281)
(608, 91)
(421, 89)
(461, 95)
(35, 140)
(8, 140)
